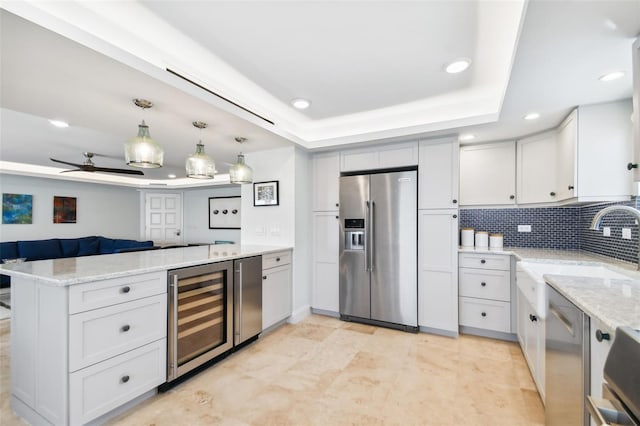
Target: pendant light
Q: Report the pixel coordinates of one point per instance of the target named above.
(142, 151)
(199, 165)
(240, 172)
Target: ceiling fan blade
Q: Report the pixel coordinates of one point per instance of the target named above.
(73, 170)
(65, 162)
(121, 171)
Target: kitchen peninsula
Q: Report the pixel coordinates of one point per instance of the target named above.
(89, 334)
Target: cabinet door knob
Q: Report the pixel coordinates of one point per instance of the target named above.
(632, 166)
(124, 379)
(570, 187)
(483, 284)
(337, 205)
(337, 217)
(455, 201)
(455, 216)
(512, 197)
(125, 328)
(533, 318)
(277, 259)
(264, 277)
(125, 289)
(484, 314)
(601, 335)
(483, 261)
(553, 194)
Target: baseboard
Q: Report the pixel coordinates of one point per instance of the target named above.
(325, 313)
(300, 314)
(510, 337)
(438, 331)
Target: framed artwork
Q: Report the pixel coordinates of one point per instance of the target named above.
(265, 193)
(224, 212)
(17, 208)
(64, 209)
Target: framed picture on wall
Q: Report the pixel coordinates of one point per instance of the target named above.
(224, 212)
(265, 193)
(64, 209)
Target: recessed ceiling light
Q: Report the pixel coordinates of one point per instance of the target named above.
(467, 137)
(171, 176)
(611, 76)
(458, 65)
(300, 103)
(59, 123)
(532, 116)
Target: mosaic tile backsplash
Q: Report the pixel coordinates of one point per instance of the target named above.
(564, 228)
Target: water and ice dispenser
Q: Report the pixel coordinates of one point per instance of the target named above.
(354, 235)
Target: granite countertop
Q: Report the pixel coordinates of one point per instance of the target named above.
(607, 289)
(77, 270)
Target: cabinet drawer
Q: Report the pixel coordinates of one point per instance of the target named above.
(98, 294)
(103, 333)
(485, 261)
(485, 314)
(98, 389)
(485, 284)
(276, 259)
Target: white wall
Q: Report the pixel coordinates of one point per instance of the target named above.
(105, 210)
(302, 276)
(196, 215)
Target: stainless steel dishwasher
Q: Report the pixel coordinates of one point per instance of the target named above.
(247, 299)
(567, 362)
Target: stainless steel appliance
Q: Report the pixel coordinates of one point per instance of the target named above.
(621, 390)
(567, 363)
(247, 299)
(378, 248)
(200, 320)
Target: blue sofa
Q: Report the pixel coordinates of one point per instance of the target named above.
(55, 248)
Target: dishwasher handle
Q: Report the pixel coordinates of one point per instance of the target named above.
(563, 319)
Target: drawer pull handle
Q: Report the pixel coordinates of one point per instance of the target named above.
(600, 335)
(277, 259)
(483, 261)
(483, 284)
(264, 277)
(125, 289)
(533, 318)
(124, 379)
(125, 328)
(484, 314)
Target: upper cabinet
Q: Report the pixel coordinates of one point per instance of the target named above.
(536, 169)
(380, 157)
(636, 106)
(326, 182)
(438, 174)
(594, 148)
(488, 174)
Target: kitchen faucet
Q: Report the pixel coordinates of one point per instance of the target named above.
(597, 220)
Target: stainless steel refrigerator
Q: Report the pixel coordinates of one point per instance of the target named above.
(378, 248)
(247, 299)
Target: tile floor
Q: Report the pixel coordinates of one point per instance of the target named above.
(323, 371)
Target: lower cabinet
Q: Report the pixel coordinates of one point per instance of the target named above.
(276, 288)
(326, 286)
(531, 336)
(600, 340)
(438, 270)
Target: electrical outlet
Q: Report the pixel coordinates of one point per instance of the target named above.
(524, 228)
(626, 233)
(606, 231)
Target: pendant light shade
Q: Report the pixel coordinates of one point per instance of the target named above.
(199, 165)
(240, 172)
(142, 151)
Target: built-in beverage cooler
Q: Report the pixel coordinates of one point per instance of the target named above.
(200, 317)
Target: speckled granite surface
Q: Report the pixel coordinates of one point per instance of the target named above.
(76, 270)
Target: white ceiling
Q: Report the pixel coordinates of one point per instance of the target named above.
(373, 71)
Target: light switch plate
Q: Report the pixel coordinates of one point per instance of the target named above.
(606, 231)
(626, 233)
(524, 228)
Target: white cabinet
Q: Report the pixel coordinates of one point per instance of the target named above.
(488, 174)
(531, 336)
(636, 105)
(536, 169)
(438, 174)
(81, 351)
(438, 270)
(276, 288)
(380, 157)
(485, 292)
(326, 228)
(601, 338)
(326, 181)
(594, 147)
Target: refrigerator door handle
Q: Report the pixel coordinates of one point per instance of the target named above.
(237, 310)
(366, 238)
(372, 241)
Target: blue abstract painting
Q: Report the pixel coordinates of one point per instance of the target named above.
(17, 208)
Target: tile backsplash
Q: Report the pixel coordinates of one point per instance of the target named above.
(565, 228)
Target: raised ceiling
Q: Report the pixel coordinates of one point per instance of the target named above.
(372, 70)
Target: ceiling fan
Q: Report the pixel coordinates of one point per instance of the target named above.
(89, 166)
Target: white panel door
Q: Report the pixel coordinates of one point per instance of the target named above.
(537, 169)
(438, 269)
(325, 261)
(488, 174)
(163, 218)
(438, 174)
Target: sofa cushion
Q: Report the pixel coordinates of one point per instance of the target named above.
(106, 245)
(40, 249)
(121, 245)
(69, 246)
(9, 250)
(88, 246)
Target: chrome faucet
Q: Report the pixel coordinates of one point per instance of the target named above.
(597, 220)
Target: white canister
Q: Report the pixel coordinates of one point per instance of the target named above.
(496, 241)
(482, 239)
(466, 237)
